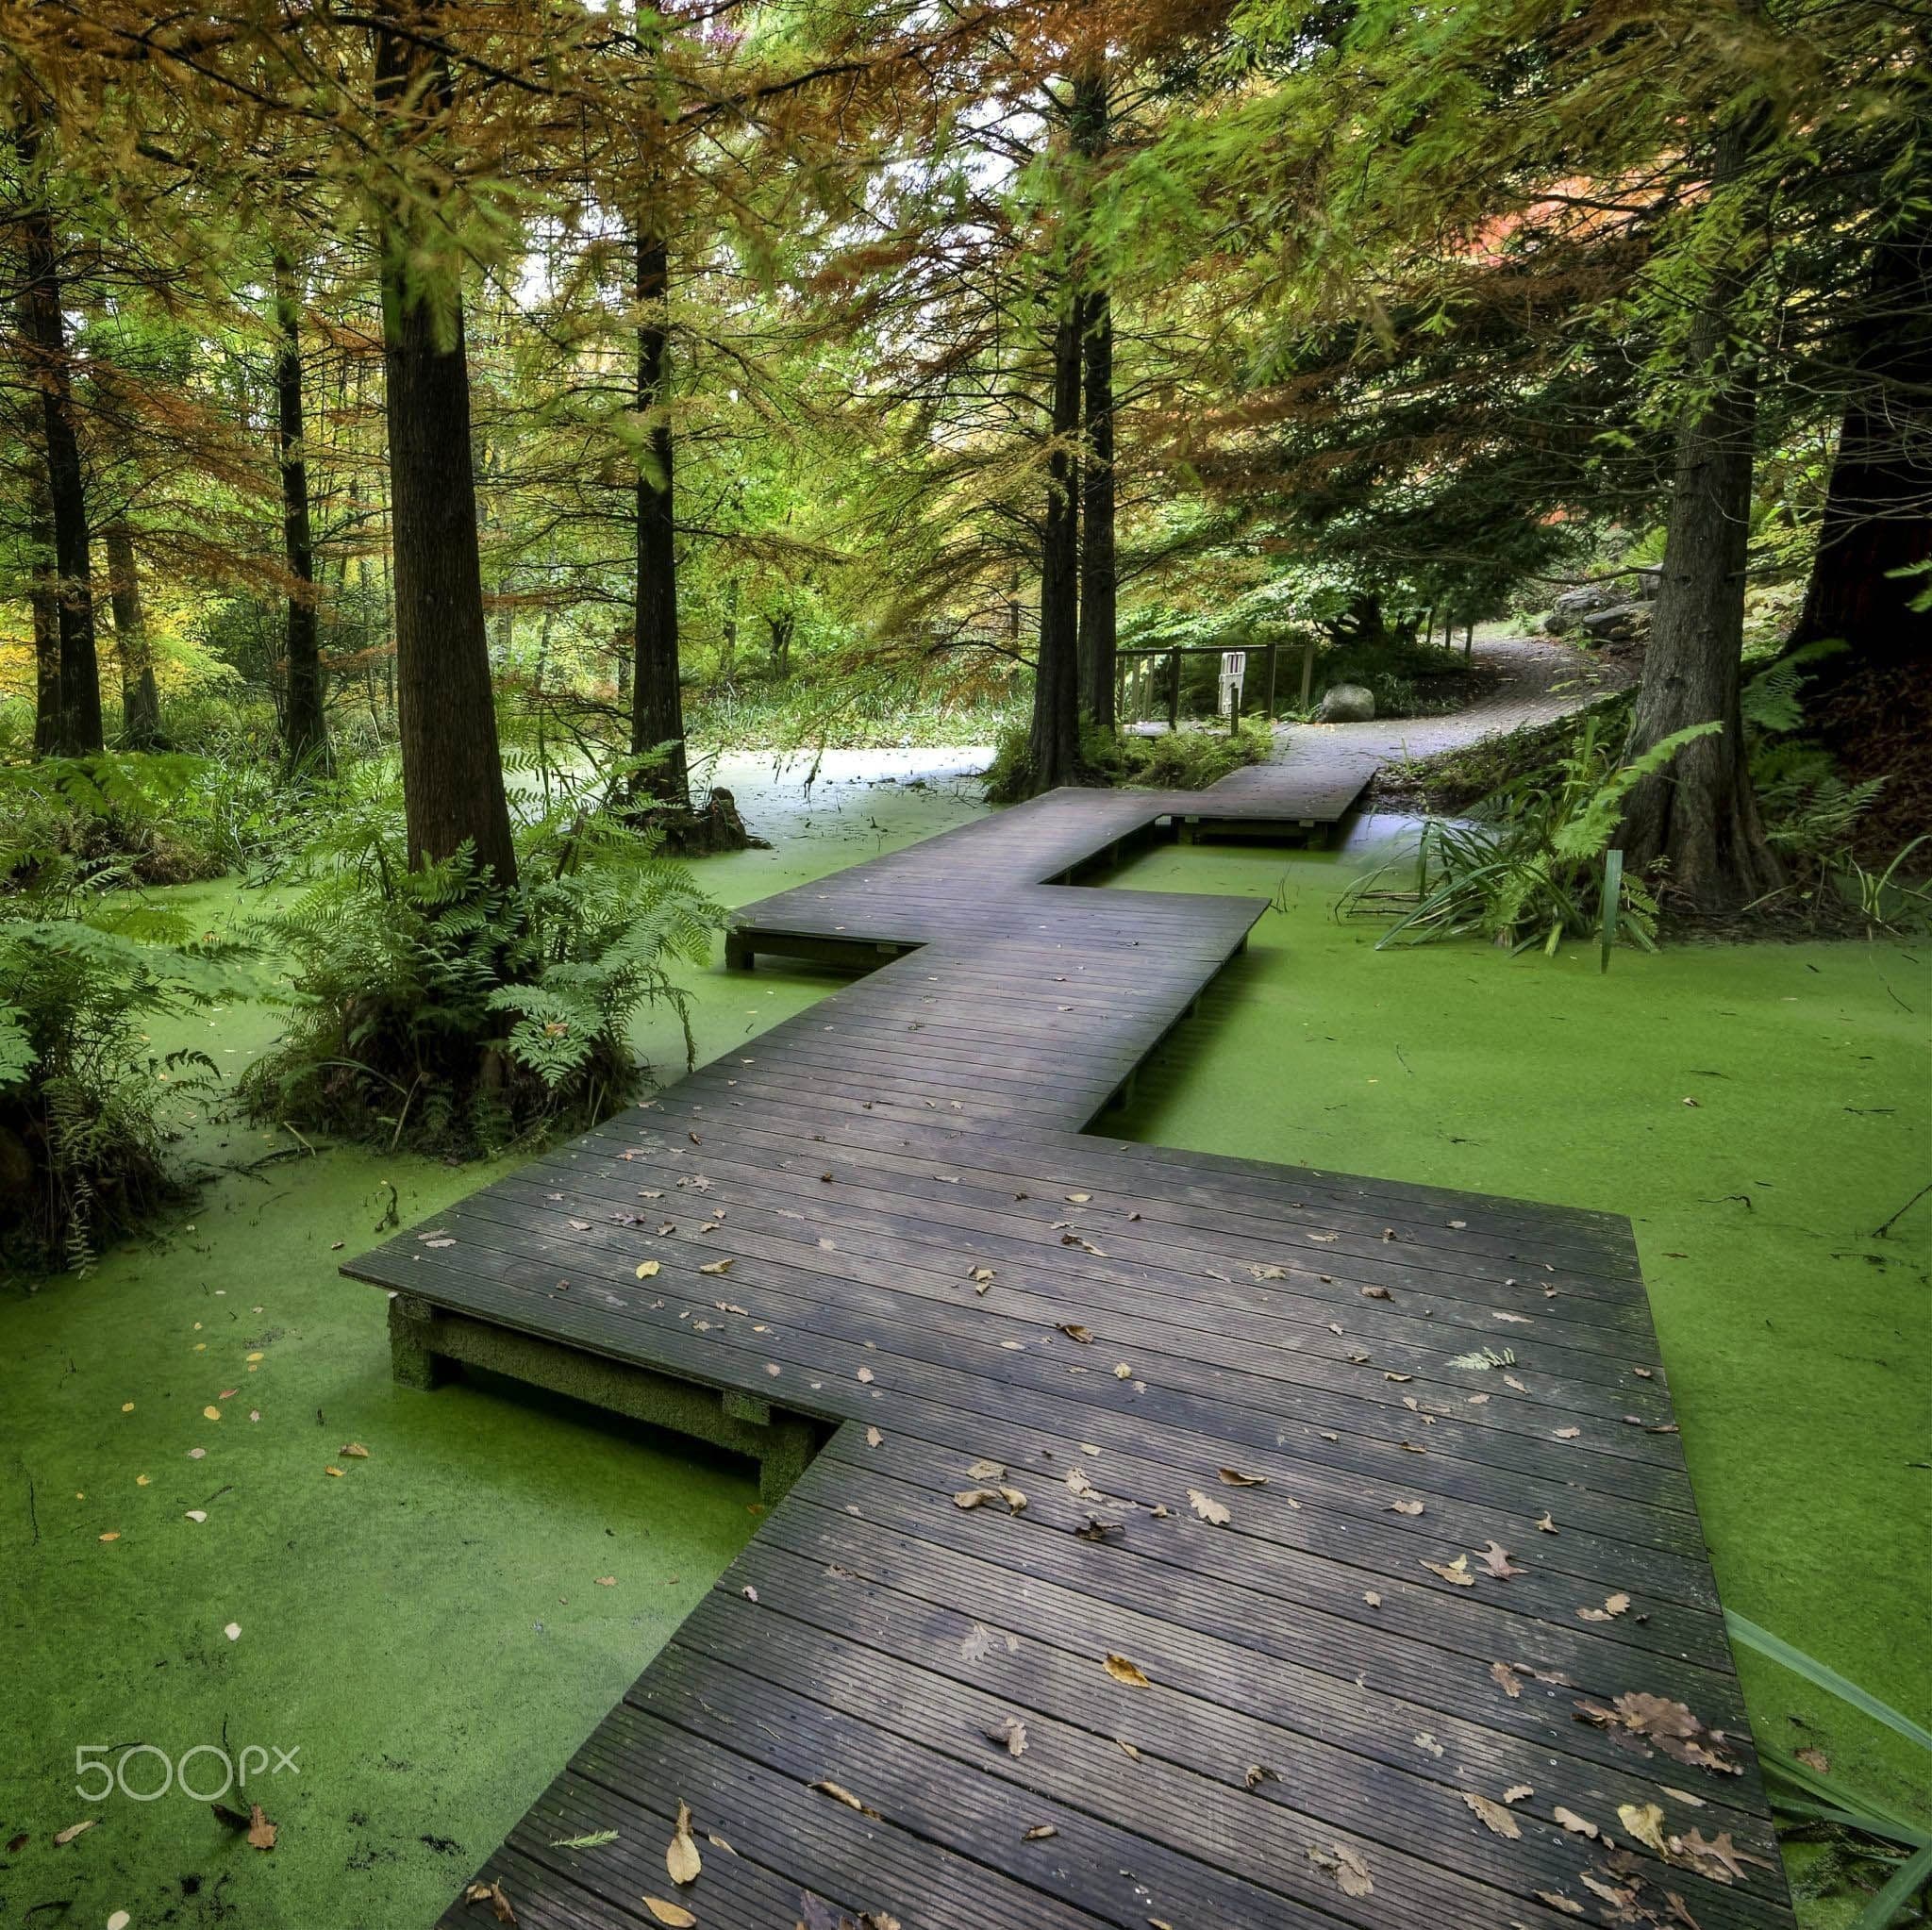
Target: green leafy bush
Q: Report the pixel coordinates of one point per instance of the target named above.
(1186, 759)
(441, 1007)
(84, 1096)
(1534, 865)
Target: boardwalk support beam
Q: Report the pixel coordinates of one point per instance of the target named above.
(429, 1345)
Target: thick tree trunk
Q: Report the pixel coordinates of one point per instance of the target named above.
(1099, 582)
(452, 790)
(44, 595)
(1878, 505)
(141, 702)
(1054, 741)
(656, 713)
(1695, 823)
(305, 727)
(1098, 566)
(45, 333)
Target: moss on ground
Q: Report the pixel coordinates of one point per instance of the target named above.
(428, 1629)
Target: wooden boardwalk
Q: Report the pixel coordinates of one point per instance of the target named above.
(1164, 1539)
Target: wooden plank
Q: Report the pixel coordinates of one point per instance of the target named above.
(808, 1212)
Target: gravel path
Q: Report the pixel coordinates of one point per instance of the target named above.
(1542, 680)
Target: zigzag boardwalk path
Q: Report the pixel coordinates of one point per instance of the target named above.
(1267, 1609)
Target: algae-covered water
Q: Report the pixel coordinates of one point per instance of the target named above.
(428, 1632)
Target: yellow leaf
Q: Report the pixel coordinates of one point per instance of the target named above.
(1645, 1821)
(210, 1413)
(1215, 1513)
(648, 1270)
(1124, 1670)
(675, 1915)
(681, 1857)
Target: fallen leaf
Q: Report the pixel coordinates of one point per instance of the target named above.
(1075, 1331)
(197, 1515)
(649, 1269)
(975, 1497)
(681, 1856)
(1613, 1606)
(354, 1450)
(1406, 1507)
(1576, 1826)
(1645, 1823)
(1815, 1760)
(210, 1413)
(1039, 1833)
(872, 1436)
(1545, 1523)
(1493, 1814)
(1010, 1735)
(595, 1841)
(1347, 1867)
(1517, 1793)
(1376, 1293)
(865, 1375)
(674, 1915)
(1456, 1573)
(1719, 1859)
(493, 1894)
(840, 1794)
(1124, 1670)
(1257, 1774)
(1668, 1725)
(112, 1535)
(1504, 1679)
(718, 1267)
(1370, 1597)
(1569, 1433)
(233, 1631)
(1558, 1902)
(1124, 1372)
(66, 1836)
(1495, 1561)
(987, 1470)
(1211, 1511)
(1235, 1478)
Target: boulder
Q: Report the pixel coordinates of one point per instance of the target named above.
(1347, 704)
(1623, 623)
(1569, 611)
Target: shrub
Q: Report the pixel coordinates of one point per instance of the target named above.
(83, 1094)
(1535, 865)
(444, 1006)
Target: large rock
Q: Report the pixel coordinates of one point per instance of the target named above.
(1347, 704)
(1570, 610)
(1623, 623)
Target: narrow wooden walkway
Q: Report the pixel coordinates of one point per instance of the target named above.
(1189, 1541)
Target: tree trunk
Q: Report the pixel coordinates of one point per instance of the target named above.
(1696, 821)
(452, 790)
(44, 595)
(1878, 505)
(1099, 583)
(141, 703)
(305, 728)
(657, 714)
(1054, 741)
(45, 340)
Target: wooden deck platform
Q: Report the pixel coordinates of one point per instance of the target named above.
(1167, 1557)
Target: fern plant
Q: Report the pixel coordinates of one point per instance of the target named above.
(84, 1097)
(443, 1006)
(1534, 865)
